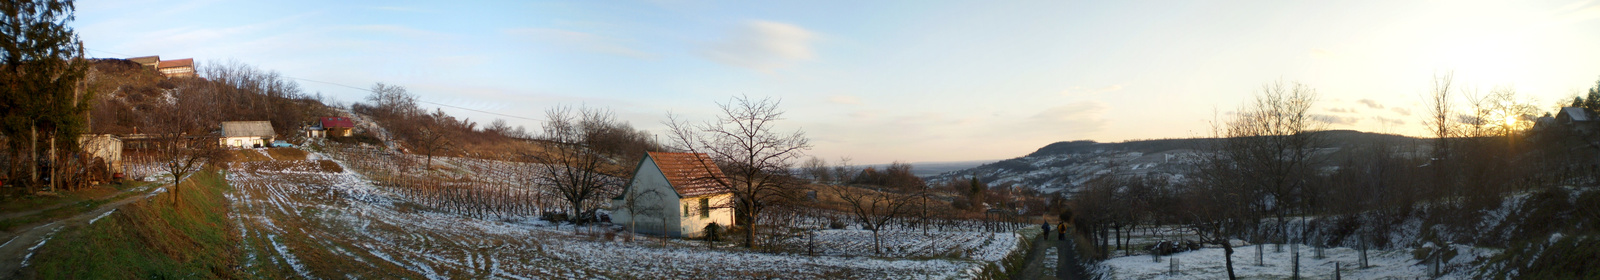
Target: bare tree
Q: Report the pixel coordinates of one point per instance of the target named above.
(641, 204)
(1215, 209)
(876, 209)
(816, 168)
(568, 165)
(755, 157)
(1271, 140)
(432, 138)
(393, 101)
(182, 147)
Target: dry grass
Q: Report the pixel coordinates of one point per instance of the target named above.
(150, 239)
(287, 154)
(247, 155)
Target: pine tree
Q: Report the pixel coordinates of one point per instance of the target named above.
(1592, 102)
(1577, 101)
(40, 101)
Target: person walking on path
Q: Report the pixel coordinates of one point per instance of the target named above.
(1045, 226)
(1061, 231)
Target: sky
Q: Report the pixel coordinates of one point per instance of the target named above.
(882, 81)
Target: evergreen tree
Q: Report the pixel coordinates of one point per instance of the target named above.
(1577, 101)
(40, 99)
(1592, 102)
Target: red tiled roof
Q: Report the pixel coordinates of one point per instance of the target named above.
(331, 122)
(689, 173)
(187, 62)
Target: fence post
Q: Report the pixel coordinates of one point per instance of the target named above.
(1173, 266)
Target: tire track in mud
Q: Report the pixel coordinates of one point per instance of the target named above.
(366, 233)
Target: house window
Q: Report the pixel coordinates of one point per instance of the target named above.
(705, 207)
(686, 210)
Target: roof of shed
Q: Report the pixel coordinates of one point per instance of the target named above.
(247, 129)
(187, 62)
(337, 122)
(691, 174)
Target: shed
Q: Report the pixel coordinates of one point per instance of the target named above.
(246, 134)
(177, 68)
(673, 194)
(147, 61)
(336, 126)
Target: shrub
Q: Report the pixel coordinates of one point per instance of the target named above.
(712, 231)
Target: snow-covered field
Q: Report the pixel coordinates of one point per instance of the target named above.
(1208, 263)
(301, 219)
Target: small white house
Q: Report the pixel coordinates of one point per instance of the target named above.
(673, 194)
(247, 134)
(105, 148)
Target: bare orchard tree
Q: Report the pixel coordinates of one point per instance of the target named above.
(642, 204)
(1215, 208)
(817, 169)
(182, 145)
(432, 138)
(755, 157)
(567, 165)
(1271, 139)
(876, 209)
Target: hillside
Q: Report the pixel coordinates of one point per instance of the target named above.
(1066, 165)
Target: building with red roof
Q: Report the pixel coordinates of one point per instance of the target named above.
(336, 126)
(674, 194)
(177, 68)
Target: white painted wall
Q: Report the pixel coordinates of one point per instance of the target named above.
(654, 199)
(244, 142)
(694, 224)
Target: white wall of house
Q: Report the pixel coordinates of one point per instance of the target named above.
(244, 142)
(655, 203)
(694, 220)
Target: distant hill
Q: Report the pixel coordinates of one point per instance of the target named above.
(1066, 165)
(934, 168)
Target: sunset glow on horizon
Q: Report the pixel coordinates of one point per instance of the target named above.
(880, 81)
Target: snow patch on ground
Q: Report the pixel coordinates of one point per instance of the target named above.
(1208, 263)
(103, 215)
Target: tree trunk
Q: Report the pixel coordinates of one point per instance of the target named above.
(55, 165)
(33, 156)
(176, 180)
(1227, 258)
(877, 247)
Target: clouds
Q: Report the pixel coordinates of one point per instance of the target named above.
(1389, 122)
(1079, 91)
(1370, 103)
(844, 100)
(579, 41)
(1336, 120)
(1401, 111)
(1084, 116)
(762, 45)
(1577, 12)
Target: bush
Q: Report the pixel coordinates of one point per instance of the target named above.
(712, 232)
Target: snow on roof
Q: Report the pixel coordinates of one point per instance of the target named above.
(691, 174)
(247, 129)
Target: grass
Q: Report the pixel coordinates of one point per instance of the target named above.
(66, 205)
(150, 239)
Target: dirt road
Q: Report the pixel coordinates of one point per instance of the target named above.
(19, 247)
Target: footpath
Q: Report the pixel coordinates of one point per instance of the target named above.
(19, 245)
(1066, 266)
